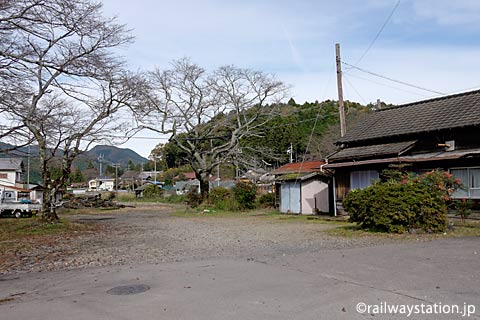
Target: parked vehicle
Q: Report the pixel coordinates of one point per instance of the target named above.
(10, 205)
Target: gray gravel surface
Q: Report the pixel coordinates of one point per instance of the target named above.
(152, 235)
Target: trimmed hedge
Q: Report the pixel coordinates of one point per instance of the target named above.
(401, 202)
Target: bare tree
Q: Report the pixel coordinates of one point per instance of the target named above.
(208, 114)
(61, 83)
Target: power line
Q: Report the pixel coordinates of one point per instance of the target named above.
(314, 125)
(391, 79)
(379, 32)
(389, 86)
(351, 85)
(140, 137)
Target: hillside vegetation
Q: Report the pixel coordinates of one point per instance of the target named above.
(311, 128)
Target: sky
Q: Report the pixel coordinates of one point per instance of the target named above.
(430, 44)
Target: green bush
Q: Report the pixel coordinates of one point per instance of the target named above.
(463, 208)
(194, 198)
(152, 191)
(402, 202)
(218, 194)
(222, 199)
(245, 193)
(267, 200)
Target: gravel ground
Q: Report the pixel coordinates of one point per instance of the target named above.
(152, 235)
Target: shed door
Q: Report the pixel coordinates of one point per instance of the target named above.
(290, 197)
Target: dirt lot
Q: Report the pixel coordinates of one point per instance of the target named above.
(151, 234)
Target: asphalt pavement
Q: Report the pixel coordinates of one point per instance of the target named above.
(427, 278)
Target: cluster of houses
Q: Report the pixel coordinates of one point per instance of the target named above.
(441, 133)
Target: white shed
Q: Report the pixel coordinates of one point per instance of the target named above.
(307, 194)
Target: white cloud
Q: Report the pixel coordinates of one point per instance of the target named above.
(447, 12)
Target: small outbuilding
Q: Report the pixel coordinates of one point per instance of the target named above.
(302, 188)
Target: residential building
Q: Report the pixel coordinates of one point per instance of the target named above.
(441, 133)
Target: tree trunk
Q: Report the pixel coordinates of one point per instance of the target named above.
(48, 206)
(202, 177)
(49, 213)
(204, 188)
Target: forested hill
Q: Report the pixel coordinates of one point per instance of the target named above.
(311, 128)
(111, 154)
(107, 154)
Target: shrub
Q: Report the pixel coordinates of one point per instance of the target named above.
(267, 200)
(222, 199)
(152, 191)
(401, 202)
(194, 198)
(218, 194)
(245, 193)
(463, 208)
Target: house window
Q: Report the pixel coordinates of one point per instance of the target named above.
(362, 179)
(3, 175)
(470, 178)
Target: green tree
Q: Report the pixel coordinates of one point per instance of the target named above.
(90, 165)
(77, 176)
(152, 191)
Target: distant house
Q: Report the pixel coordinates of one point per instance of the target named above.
(302, 188)
(441, 133)
(129, 179)
(101, 184)
(11, 170)
(183, 187)
(185, 176)
(11, 184)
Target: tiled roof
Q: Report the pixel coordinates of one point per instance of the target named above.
(387, 149)
(454, 111)
(299, 167)
(11, 164)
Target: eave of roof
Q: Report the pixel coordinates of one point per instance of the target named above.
(299, 177)
(424, 157)
(397, 149)
(299, 167)
(13, 187)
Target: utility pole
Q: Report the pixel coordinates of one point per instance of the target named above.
(116, 178)
(28, 162)
(218, 175)
(341, 108)
(291, 152)
(155, 170)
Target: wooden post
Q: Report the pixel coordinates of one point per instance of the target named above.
(341, 108)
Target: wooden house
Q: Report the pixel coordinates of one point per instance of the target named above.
(441, 133)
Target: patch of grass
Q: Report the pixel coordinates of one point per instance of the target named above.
(311, 219)
(130, 197)
(468, 229)
(206, 211)
(270, 214)
(351, 230)
(13, 229)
